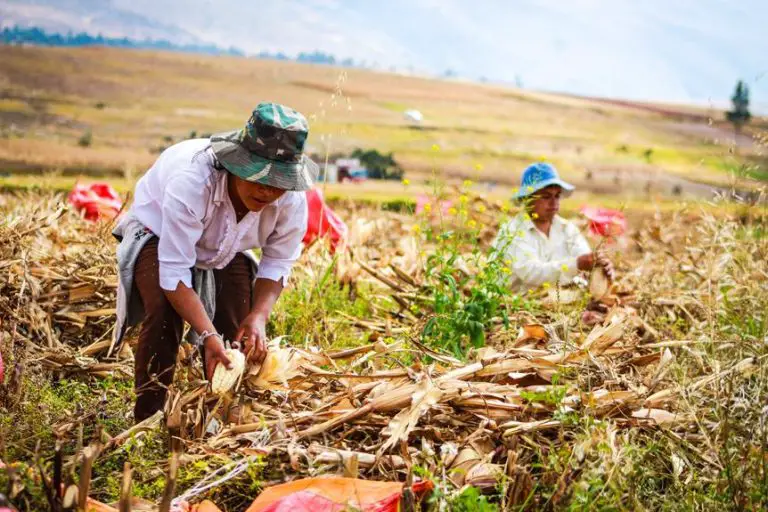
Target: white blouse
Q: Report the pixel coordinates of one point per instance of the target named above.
(535, 258)
(184, 200)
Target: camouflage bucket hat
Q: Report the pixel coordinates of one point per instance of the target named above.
(269, 150)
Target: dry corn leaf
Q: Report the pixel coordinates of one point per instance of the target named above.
(425, 396)
(660, 416)
(603, 336)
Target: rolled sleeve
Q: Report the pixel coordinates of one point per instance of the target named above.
(183, 207)
(283, 245)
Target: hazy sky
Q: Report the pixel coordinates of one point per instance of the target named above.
(673, 50)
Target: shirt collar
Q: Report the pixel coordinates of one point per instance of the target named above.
(220, 193)
(525, 223)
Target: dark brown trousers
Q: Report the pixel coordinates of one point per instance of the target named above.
(161, 330)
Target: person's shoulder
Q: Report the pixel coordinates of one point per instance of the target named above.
(190, 160)
(512, 225)
(187, 147)
(293, 200)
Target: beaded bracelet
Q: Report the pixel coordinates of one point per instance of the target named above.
(206, 334)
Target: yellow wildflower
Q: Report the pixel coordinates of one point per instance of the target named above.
(507, 262)
(515, 190)
(453, 211)
(542, 158)
(478, 167)
(472, 224)
(505, 208)
(481, 208)
(534, 215)
(564, 268)
(428, 207)
(530, 291)
(526, 216)
(416, 228)
(505, 270)
(463, 198)
(435, 147)
(406, 182)
(467, 183)
(529, 188)
(545, 285)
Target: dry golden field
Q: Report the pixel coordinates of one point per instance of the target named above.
(135, 102)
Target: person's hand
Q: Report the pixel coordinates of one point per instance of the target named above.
(604, 262)
(586, 261)
(253, 335)
(214, 354)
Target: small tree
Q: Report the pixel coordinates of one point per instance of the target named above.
(740, 115)
(380, 166)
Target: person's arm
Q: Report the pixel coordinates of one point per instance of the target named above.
(253, 327)
(183, 204)
(281, 251)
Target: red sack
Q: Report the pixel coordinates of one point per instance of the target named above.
(323, 222)
(334, 494)
(2, 369)
(95, 201)
(605, 222)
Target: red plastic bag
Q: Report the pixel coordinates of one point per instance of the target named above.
(95, 201)
(604, 221)
(334, 494)
(322, 222)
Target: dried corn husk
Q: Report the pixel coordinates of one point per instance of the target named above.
(484, 476)
(599, 284)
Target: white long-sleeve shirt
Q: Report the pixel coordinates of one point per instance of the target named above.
(184, 200)
(535, 258)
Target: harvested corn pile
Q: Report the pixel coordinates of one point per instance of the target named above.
(57, 286)
(455, 379)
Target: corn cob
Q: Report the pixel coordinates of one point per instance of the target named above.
(223, 379)
(599, 284)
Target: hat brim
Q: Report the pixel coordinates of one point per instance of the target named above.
(295, 176)
(527, 191)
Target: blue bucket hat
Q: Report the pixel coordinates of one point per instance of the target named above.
(538, 176)
(269, 150)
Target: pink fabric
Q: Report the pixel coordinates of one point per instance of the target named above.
(604, 221)
(305, 501)
(334, 494)
(323, 222)
(422, 200)
(97, 200)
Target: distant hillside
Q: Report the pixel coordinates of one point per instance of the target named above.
(37, 36)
